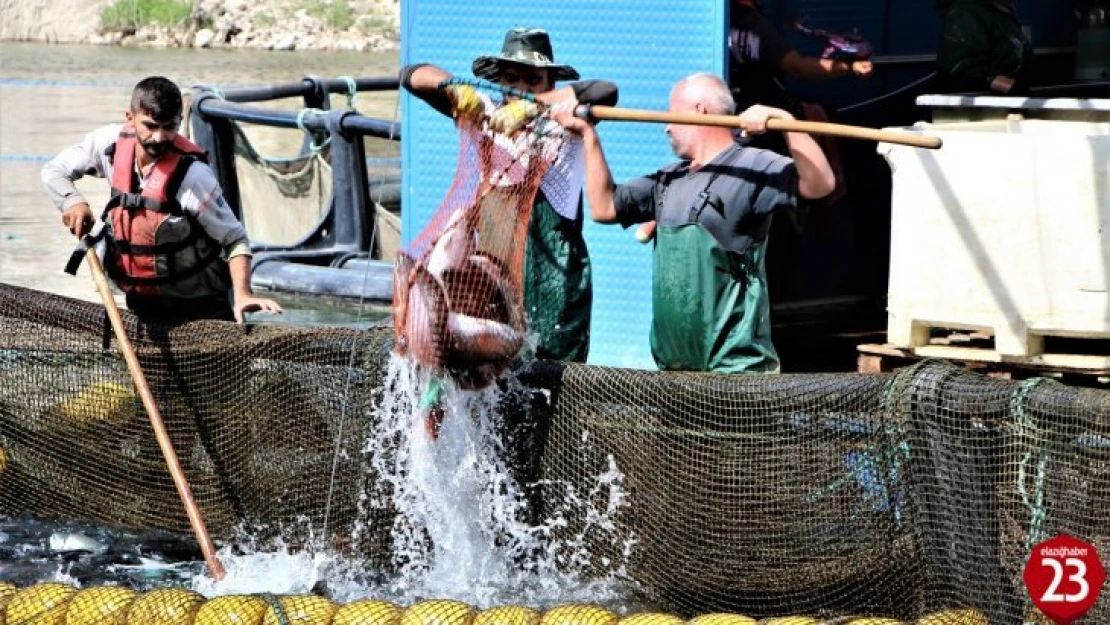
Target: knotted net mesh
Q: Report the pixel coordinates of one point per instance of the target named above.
(826, 494)
(913, 495)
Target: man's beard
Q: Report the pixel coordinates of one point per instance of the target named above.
(156, 148)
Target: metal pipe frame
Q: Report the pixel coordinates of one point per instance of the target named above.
(347, 229)
(307, 87)
(210, 105)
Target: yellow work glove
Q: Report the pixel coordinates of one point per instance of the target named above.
(513, 116)
(465, 103)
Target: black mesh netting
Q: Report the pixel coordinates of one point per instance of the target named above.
(256, 418)
(826, 494)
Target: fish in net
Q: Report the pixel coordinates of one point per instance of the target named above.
(458, 305)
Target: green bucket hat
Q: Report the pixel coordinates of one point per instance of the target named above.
(526, 46)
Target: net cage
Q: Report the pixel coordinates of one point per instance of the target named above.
(904, 495)
(282, 199)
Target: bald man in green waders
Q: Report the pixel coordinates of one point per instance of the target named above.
(711, 310)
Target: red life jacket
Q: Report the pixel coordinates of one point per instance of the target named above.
(139, 236)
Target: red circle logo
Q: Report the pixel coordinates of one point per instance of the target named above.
(1064, 577)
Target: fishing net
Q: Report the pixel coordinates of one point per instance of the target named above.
(458, 287)
(899, 494)
(284, 201)
(281, 200)
(261, 420)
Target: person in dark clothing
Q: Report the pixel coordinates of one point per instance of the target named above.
(557, 277)
(710, 306)
(760, 59)
(982, 47)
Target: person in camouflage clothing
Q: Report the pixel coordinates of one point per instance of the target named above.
(982, 48)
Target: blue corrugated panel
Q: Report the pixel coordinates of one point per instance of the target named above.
(642, 45)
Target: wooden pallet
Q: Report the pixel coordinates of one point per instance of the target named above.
(1007, 340)
(1079, 369)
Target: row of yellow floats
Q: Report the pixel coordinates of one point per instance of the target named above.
(62, 604)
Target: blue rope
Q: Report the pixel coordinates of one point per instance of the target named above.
(352, 91)
(1037, 512)
(897, 455)
(1035, 504)
(479, 83)
(300, 124)
(432, 394)
(275, 605)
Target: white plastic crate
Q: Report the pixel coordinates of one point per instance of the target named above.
(1006, 228)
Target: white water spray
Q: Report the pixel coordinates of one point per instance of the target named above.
(460, 519)
(461, 529)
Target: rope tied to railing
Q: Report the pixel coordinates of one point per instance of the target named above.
(352, 91)
(300, 124)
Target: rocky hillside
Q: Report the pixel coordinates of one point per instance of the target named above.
(264, 24)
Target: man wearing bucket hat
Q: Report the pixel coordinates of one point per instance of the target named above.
(558, 289)
(529, 47)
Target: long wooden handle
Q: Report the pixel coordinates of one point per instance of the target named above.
(214, 567)
(732, 121)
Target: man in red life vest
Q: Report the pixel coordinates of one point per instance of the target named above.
(174, 246)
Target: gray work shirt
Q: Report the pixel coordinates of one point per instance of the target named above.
(732, 196)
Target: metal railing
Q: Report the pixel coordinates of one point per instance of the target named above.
(346, 230)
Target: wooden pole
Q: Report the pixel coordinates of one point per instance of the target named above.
(732, 121)
(214, 567)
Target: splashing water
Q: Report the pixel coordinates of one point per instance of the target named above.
(276, 569)
(461, 529)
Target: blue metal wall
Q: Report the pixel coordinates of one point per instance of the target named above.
(642, 45)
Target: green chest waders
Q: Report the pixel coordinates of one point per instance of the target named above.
(558, 290)
(711, 309)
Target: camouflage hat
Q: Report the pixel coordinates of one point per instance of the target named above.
(526, 46)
